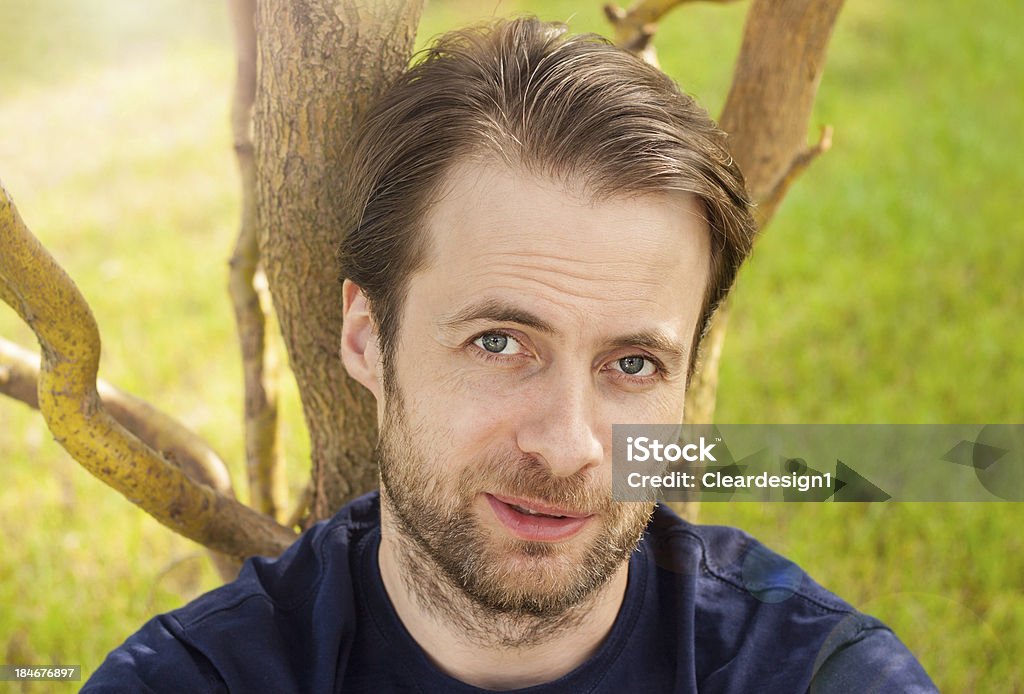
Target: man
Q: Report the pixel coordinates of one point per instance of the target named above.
(548, 227)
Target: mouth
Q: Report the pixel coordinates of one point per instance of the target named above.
(536, 522)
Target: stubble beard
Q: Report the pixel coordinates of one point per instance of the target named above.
(499, 591)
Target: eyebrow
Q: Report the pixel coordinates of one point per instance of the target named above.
(653, 342)
(502, 312)
(497, 311)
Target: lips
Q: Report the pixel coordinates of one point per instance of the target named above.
(537, 522)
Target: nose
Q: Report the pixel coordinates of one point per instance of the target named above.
(562, 425)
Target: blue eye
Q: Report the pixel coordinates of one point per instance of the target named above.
(494, 342)
(636, 366)
(499, 343)
(631, 365)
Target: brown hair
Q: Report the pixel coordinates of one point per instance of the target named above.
(571, 107)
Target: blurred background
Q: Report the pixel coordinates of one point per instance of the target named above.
(887, 289)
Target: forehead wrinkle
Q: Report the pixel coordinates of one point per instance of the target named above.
(571, 267)
(556, 282)
(498, 242)
(570, 283)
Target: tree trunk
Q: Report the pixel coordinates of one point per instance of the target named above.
(321, 63)
(767, 114)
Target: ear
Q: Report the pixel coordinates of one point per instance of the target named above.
(360, 352)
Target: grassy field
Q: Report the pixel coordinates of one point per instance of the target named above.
(888, 289)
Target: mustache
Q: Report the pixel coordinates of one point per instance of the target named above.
(527, 477)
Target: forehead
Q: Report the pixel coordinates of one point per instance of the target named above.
(500, 233)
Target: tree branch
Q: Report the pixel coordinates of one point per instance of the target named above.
(44, 296)
(635, 27)
(19, 378)
(268, 488)
(766, 207)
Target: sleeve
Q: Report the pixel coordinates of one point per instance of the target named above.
(153, 660)
(871, 659)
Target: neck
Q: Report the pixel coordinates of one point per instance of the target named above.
(478, 646)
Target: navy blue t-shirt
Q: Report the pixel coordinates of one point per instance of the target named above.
(706, 609)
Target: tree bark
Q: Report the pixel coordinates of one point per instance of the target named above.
(321, 63)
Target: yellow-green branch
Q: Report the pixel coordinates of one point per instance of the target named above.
(45, 297)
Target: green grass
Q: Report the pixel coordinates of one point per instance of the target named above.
(887, 289)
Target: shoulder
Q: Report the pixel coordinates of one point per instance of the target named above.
(863, 655)
(262, 624)
(759, 620)
(751, 573)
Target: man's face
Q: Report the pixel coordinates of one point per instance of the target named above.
(542, 318)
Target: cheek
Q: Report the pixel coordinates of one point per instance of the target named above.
(460, 416)
(668, 407)
(484, 420)
(660, 406)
